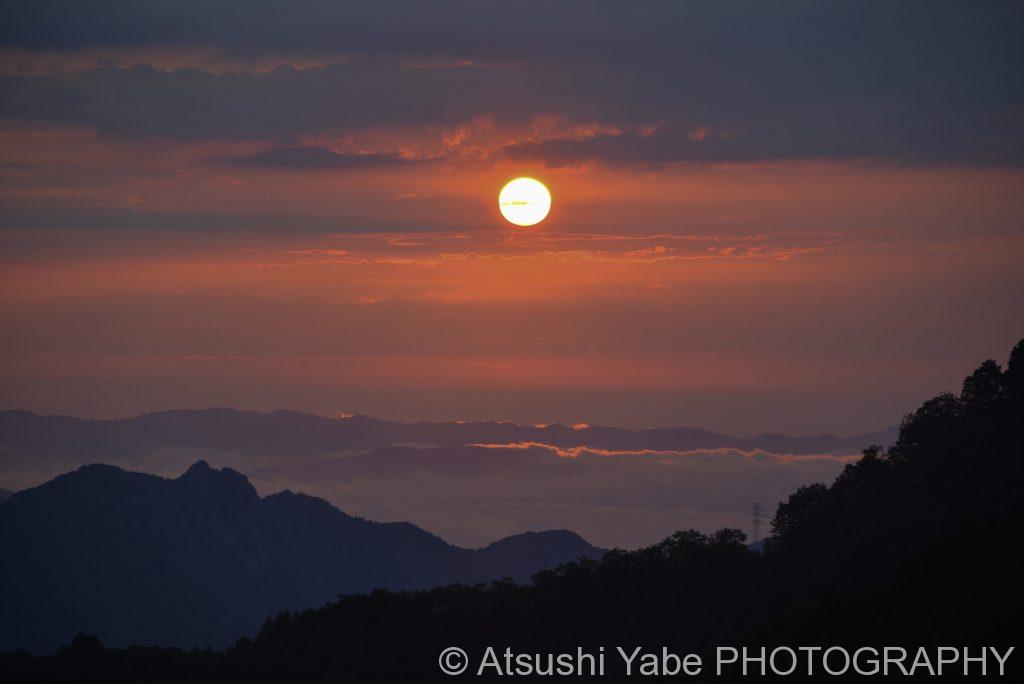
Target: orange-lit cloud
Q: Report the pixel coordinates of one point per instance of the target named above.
(664, 456)
(471, 494)
(308, 226)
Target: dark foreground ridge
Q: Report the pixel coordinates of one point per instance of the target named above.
(918, 545)
(201, 559)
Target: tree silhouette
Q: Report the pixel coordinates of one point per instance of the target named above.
(917, 546)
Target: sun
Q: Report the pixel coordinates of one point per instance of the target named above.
(524, 201)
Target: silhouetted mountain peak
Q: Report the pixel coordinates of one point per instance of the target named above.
(198, 469)
(202, 558)
(90, 469)
(227, 483)
(295, 501)
(90, 475)
(553, 538)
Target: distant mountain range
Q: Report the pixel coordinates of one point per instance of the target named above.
(35, 447)
(202, 559)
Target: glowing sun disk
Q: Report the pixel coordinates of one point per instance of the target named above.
(524, 201)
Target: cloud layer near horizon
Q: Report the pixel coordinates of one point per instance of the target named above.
(475, 494)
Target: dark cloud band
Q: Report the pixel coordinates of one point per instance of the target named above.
(910, 82)
(319, 158)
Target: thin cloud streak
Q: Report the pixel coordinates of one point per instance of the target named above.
(753, 455)
(321, 158)
(614, 498)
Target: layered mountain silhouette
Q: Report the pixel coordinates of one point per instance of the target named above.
(201, 559)
(35, 447)
(918, 545)
(303, 433)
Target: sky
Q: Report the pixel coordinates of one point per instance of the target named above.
(767, 217)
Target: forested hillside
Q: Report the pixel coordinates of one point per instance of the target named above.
(917, 545)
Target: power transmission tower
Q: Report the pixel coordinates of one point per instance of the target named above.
(755, 519)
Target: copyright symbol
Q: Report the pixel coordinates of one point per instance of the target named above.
(453, 660)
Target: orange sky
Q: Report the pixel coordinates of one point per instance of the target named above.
(717, 254)
(696, 295)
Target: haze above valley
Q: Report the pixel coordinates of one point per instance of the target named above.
(469, 483)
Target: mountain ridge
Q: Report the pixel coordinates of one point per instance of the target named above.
(202, 558)
(307, 432)
(429, 472)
